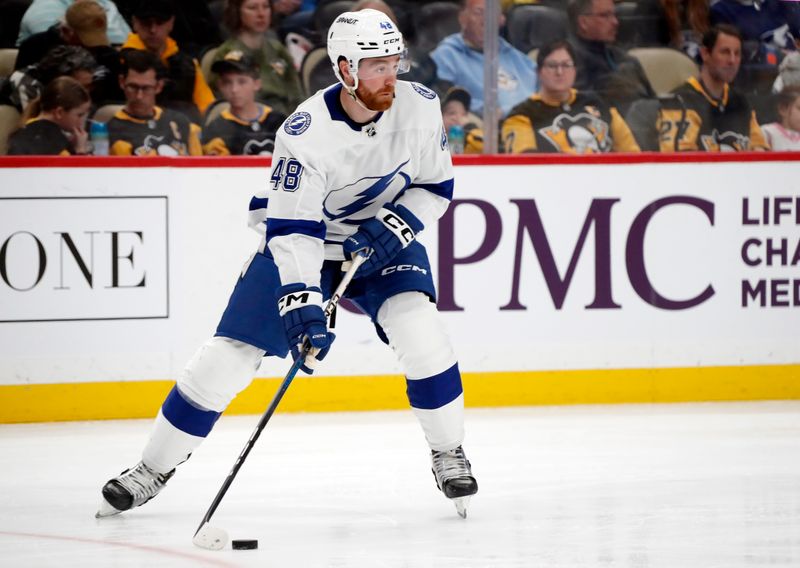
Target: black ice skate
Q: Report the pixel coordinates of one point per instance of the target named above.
(131, 488)
(454, 477)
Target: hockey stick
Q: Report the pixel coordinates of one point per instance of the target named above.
(214, 538)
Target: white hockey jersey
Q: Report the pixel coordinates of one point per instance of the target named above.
(330, 174)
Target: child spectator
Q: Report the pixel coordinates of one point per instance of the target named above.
(455, 112)
(248, 127)
(785, 135)
(249, 21)
(560, 118)
(141, 128)
(55, 123)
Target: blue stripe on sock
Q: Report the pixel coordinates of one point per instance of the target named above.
(436, 391)
(186, 417)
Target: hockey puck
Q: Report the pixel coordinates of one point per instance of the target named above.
(244, 544)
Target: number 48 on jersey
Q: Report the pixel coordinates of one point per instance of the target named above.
(286, 174)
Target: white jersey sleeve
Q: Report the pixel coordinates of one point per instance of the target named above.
(295, 228)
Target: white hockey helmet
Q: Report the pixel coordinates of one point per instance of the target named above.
(361, 35)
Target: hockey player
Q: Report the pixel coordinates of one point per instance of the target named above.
(361, 166)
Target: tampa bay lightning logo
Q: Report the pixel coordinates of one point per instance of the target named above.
(443, 141)
(297, 123)
(424, 91)
(345, 202)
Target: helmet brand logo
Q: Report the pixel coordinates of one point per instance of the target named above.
(391, 40)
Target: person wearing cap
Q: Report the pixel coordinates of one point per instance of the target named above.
(84, 25)
(456, 111)
(249, 21)
(561, 119)
(42, 14)
(247, 127)
(185, 88)
(142, 128)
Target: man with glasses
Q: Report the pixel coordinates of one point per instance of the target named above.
(601, 66)
(141, 128)
(360, 168)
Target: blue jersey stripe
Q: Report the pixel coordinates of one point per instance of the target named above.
(257, 203)
(187, 417)
(283, 227)
(436, 391)
(442, 189)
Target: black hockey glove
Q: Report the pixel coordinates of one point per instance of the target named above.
(301, 310)
(392, 230)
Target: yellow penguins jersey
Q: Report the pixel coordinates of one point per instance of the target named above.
(693, 120)
(167, 133)
(584, 124)
(39, 137)
(230, 135)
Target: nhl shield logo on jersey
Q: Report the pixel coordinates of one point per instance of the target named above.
(297, 123)
(424, 91)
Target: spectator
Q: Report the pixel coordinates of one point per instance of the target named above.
(459, 60)
(55, 124)
(788, 73)
(560, 118)
(706, 114)
(26, 84)
(603, 67)
(456, 111)
(248, 127)
(185, 89)
(771, 22)
(248, 21)
(686, 21)
(84, 25)
(785, 135)
(42, 14)
(141, 128)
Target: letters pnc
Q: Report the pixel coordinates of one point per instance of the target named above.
(530, 228)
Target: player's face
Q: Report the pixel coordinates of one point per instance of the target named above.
(723, 60)
(140, 91)
(454, 113)
(377, 77)
(239, 89)
(790, 115)
(256, 15)
(557, 74)
(600, 23)
(74, 118)
(153, 32)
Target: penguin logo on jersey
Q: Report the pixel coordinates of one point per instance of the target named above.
(367, 194)
(259, 147)
(424, 91)
(297, 123)
(583, 133)
(725, 142)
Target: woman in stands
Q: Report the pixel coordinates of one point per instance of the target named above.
(55, 123)
(558, 118)
(249, 22)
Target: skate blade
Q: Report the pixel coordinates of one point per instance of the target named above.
(461, 506)
(106, 510)
(210, 538)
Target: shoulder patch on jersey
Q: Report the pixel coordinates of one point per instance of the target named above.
(423, 90)
(297, 123)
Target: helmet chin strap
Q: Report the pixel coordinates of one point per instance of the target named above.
(352, 92)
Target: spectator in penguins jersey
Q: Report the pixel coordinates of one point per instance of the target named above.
(141, 128)
(560, 118)
(185, 89)
(247, 127)
(705, 113)
(55, 123)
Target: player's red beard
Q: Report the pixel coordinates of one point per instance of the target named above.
(376, 100)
